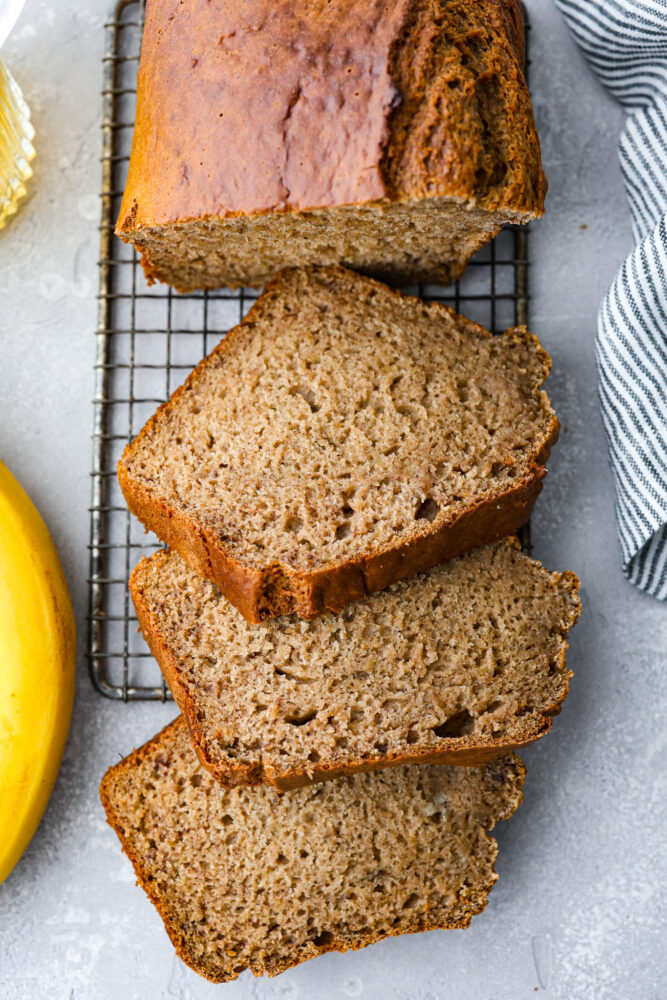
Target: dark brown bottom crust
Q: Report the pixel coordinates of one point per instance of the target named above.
(279, 590)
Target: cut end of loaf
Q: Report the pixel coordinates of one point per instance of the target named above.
(424, 242)
(343, 436)
(458, 666)
(254, 879)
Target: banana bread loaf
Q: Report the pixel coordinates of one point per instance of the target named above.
(342, 437)
(253, 879)
(457, 667)
(395, 137)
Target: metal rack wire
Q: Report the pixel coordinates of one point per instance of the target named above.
(149, 338)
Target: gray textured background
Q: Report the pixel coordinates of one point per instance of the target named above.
(579, 909)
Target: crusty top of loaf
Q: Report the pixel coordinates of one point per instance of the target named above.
(248, 106)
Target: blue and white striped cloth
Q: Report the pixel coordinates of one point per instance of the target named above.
(625, 42)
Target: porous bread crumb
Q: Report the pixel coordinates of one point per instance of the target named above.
(338, 422)
(428, 242)
(251, 878)
(438, 804)
(460, 663)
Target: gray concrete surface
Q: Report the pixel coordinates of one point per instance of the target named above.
(579, 909)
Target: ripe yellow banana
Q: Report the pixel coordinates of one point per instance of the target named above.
(37, 668)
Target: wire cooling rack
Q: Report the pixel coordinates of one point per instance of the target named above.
(149, 338)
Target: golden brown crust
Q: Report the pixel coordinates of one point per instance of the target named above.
(414, 99)
(464, 751)
(277, 965)
(278, 589)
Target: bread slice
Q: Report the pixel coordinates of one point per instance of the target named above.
(342, 437)
(457, 666)
(252, 879)
(395, 138)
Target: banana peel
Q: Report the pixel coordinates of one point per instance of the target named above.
(37, 668)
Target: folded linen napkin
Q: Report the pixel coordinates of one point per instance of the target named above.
(625, 42)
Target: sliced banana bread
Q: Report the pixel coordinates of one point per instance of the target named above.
(457, 666)
(252, 879)
(342, 437)
(393, 137)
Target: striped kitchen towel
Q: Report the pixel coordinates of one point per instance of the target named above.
(625, 42)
